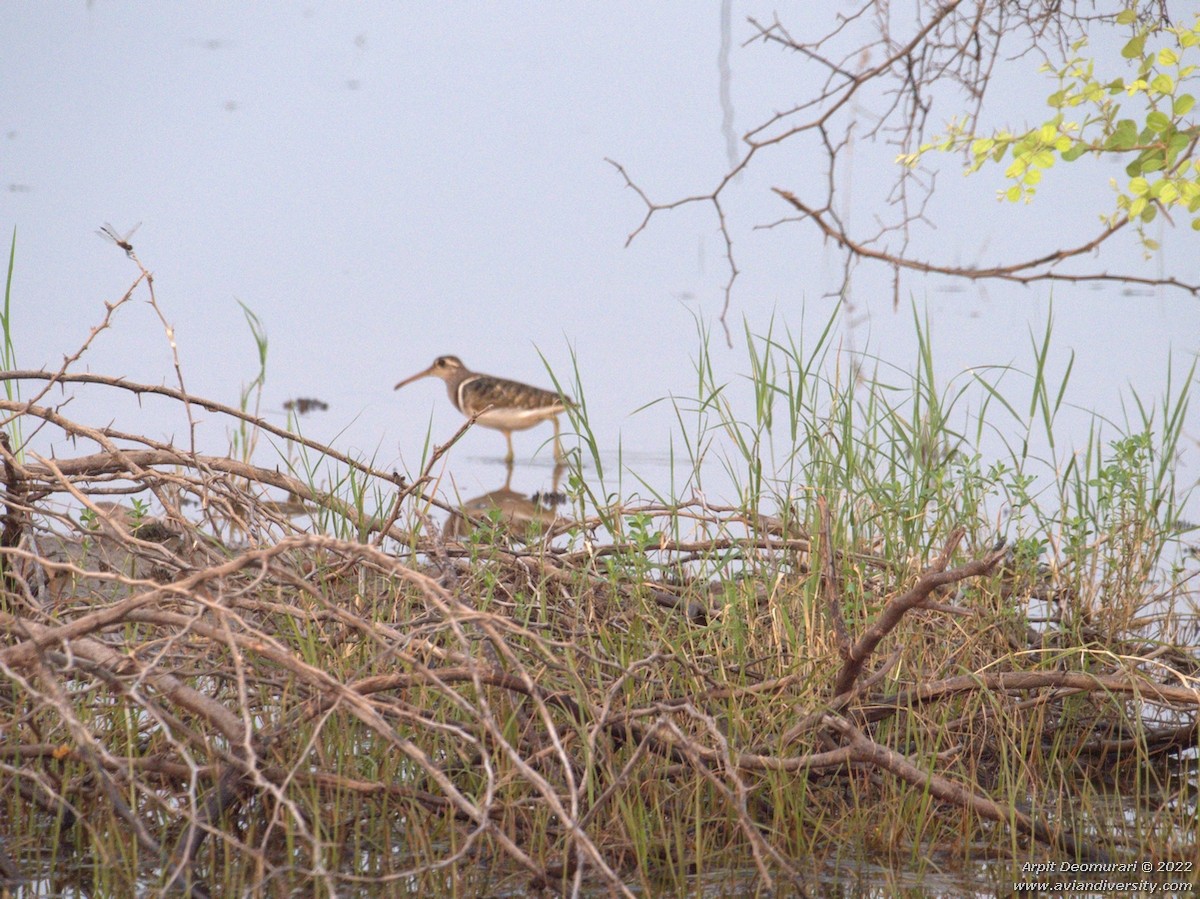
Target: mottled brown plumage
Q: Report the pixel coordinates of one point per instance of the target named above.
(495, 402)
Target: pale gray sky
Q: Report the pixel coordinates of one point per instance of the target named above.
(386, 182)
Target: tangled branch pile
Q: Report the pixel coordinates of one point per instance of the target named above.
(266, 688)
(220, 700)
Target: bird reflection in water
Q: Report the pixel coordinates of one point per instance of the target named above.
(509, 512)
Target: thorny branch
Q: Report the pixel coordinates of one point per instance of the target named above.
(877, 76)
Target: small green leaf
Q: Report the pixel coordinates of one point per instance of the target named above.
(1175, 145)
(1139, 186)
(1183, 104)
(1124, 136)
(983, 146)
(1013, 193)
(1133, 49)
(1158, 121)
(1136, 207)
(1167, 192)
(1074, 153)
(1127, 17)
(1163, 83)
(1042, 159)
(1196, 224)
(1167, 57)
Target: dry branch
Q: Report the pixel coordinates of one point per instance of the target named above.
(512, 703)
(875, 77)
(934, 577)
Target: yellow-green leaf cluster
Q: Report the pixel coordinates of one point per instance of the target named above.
(1158, 136)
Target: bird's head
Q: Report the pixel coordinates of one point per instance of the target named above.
(445, 367)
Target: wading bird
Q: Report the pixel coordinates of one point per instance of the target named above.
(496, 402)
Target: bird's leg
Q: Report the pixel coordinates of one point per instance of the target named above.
(557, 445)
(509, 457)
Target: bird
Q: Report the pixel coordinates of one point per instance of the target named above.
(496, 403)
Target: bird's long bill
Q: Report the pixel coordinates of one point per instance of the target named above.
(416, 377)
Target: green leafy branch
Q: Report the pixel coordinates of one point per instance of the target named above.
(1164, 173)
